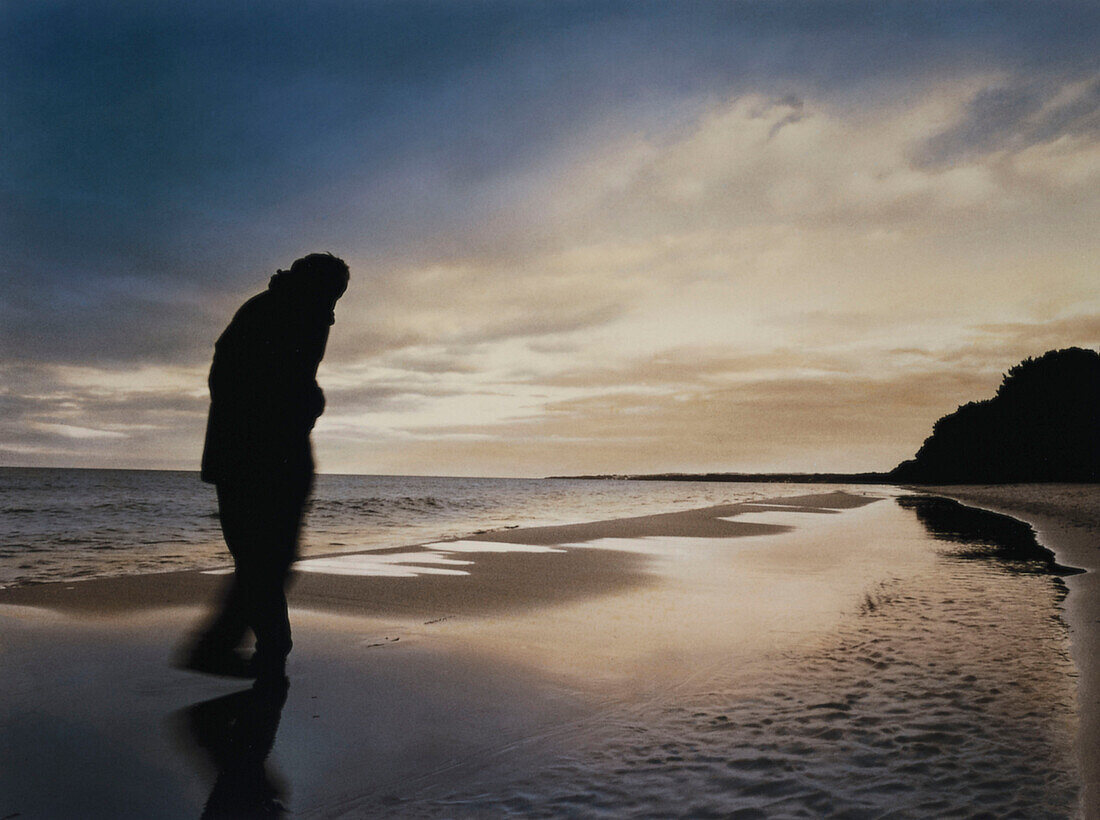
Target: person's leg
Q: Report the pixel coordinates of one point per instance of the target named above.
(235, 512)
(215, 647)
(261, 520)
(264, 573)
(226, 630)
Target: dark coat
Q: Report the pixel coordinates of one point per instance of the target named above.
(264, 397)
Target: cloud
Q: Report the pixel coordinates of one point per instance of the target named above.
(91, 416)
(1022, 339)
(794, 424)
(388, 395)
(1015, 117)
(762, 205)
(680, 367)
(108, 323)
(759, 161)
(705, 409)
(465, 305)
(432, 361)
(191, 146)
(70, 431)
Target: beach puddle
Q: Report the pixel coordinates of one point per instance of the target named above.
(386, 565)
(784, 515)
(431, 559)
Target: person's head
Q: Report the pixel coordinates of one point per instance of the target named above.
(319, 278)
(324, 272)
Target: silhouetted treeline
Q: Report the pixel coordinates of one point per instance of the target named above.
(1042, 425)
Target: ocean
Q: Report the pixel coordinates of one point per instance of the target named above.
(68, 524)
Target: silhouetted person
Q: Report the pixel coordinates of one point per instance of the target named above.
(264, 400)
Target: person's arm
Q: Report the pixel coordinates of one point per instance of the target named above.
(303, 392)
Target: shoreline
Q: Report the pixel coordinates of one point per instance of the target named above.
(1066, 520)
(508, 577)
(99, 524)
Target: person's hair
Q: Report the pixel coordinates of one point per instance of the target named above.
(323, 270)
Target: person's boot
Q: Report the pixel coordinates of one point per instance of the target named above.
(229, 663)
(268, 666)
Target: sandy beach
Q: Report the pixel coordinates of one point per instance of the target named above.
(838, 653)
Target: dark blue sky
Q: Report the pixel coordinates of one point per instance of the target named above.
(153, 151)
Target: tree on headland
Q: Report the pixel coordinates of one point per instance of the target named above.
(1043, 424)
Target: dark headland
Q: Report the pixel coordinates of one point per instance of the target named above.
(1043, 425)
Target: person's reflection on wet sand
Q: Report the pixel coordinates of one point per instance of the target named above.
(235, 733)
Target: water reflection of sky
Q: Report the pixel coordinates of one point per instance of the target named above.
(390, 565)
(435, 558)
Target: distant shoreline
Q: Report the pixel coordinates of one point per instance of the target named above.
(800, 478)
(747, 478)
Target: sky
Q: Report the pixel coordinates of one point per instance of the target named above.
(583, 237)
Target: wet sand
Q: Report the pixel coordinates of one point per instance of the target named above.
(815, 655)
(1066, 519)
